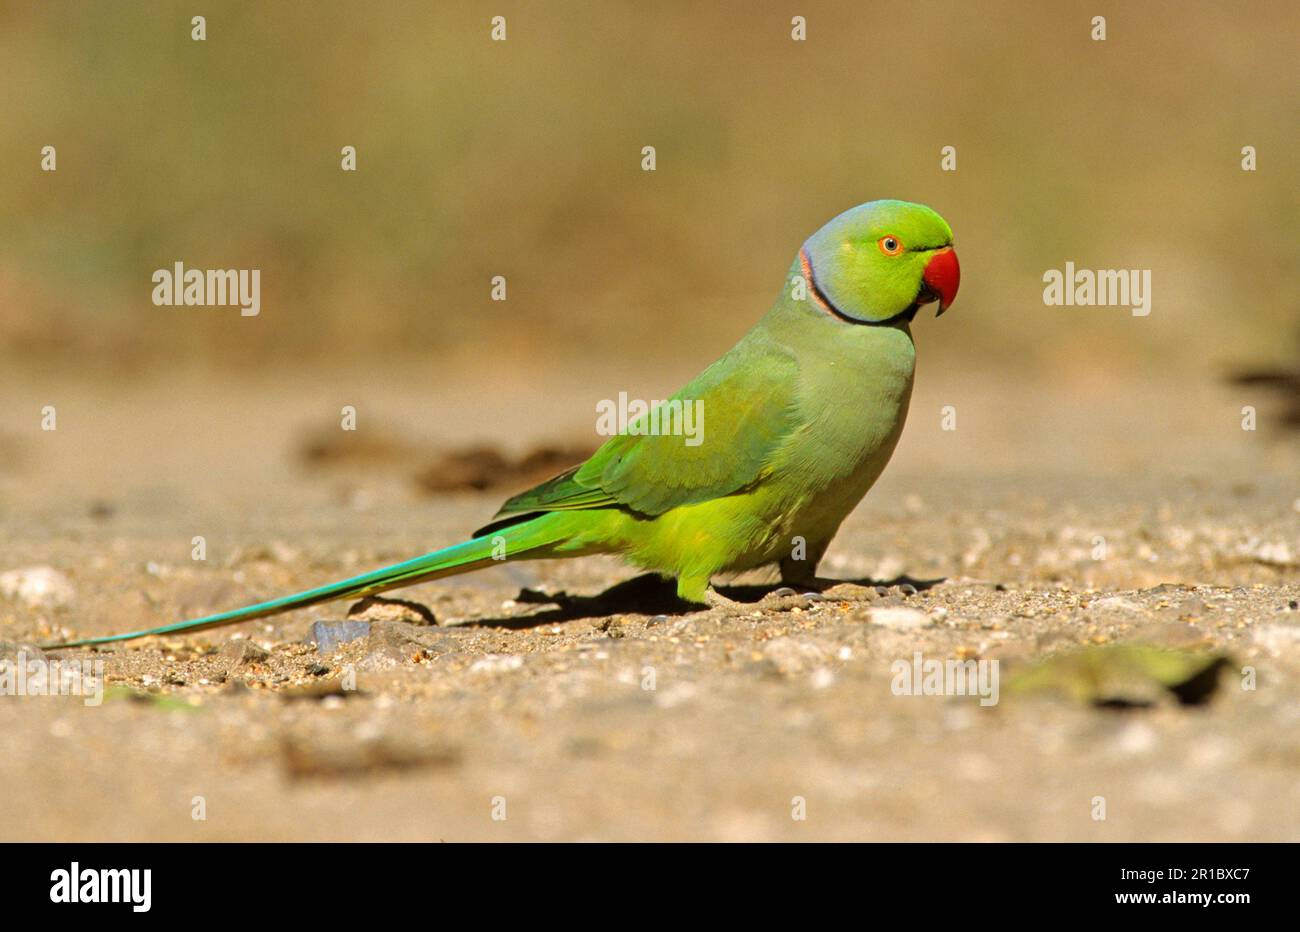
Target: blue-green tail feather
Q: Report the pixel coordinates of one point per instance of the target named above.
(521, 539)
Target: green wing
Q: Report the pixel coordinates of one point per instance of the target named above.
(748, 410)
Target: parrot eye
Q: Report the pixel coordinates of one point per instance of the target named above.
(890, 245)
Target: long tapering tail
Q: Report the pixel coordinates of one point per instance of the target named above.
(518, 540)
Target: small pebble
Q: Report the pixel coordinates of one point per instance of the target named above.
(376, 608)
(898, 619)
(37, 587)
(328, 635)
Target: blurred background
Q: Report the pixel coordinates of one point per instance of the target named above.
(480, 158)
(523, 159)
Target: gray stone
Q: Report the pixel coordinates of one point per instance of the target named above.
(242, 652)
(329, 635)
(393, 643)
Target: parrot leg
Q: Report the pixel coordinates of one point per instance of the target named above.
(802, 574)
(697, 589)
(693, 589)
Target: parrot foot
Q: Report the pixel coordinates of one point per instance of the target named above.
(811, 583)
(716, 600)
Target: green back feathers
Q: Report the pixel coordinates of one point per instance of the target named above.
(747, 406)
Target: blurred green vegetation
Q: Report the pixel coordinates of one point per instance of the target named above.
(522, 158)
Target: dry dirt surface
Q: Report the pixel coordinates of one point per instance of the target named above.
(573, 700)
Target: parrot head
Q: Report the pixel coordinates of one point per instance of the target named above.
(879, 262)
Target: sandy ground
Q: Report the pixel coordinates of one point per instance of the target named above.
(1056, 522)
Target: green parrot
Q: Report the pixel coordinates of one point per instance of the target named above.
(802, 415)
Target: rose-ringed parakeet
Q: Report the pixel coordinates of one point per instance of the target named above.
(802, 415)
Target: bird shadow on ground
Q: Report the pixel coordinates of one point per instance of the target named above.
(650, 594)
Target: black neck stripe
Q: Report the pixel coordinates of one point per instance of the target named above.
(811, 275)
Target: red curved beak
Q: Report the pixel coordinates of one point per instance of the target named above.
(942, 276)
